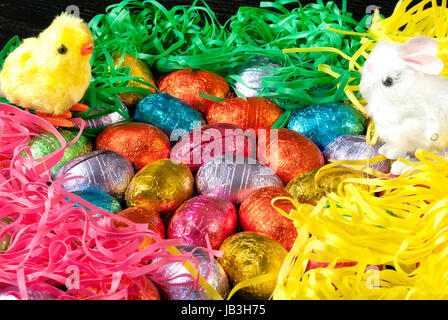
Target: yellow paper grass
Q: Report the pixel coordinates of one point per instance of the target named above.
(425, 18)
(399, 240)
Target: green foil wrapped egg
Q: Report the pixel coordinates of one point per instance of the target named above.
(47, 143)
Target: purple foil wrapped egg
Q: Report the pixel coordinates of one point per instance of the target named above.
(355, 147)
(10, 292)
(204, 143)
(233, 177)
(105, 169)
(203, 215)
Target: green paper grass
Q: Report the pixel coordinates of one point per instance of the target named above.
(190, 36)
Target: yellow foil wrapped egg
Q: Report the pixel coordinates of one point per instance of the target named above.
(139, 68)
(306, 189)
(247, 255)
(162, 186)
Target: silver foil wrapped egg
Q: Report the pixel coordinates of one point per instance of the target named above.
(173, 288)
(105, 169)
(355, 147)
(106, 119)
(252, 75)
(234, 177)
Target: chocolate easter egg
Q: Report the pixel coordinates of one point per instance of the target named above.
(107, 119)
(144, 216)
(140, 143)
(105, 169)
(10, 292)
(288, 153)
(203, 216)
(47, 143)
(177, 287)
(162, 186)
(234, 178)
(187, 84)
(325, 122)
(100, 199)
(306, 189)
(247, 255)
(168, 114)
(257, 214)
(140, 69)
(251, 74)
(351, 147)
(206, 142)
(255, 113)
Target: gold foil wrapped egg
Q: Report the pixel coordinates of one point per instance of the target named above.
(305, 189)
(162, 186)
(247, 255)
(139, 68)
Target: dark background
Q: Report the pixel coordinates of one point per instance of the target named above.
(27, 18)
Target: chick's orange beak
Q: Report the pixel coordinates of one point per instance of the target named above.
(87, 48)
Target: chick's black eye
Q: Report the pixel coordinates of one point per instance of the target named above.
(62, 49)
(388, 82)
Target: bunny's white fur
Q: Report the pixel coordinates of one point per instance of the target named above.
(412, 113)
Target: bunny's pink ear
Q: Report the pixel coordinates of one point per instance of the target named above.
(420, 53)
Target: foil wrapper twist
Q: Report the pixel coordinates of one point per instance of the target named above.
(234, 178)
(251, 76)
(247, 255)
(168, 114)
(325, 122)
(105, 169)
(355, 147)
(177, 287)
(201, 216)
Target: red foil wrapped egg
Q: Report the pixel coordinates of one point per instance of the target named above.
(258, 215)
(203, 215)
(186, 85)
(288, 153)
(140, 143)
(144, 216)
(255, 113)
(206, 142)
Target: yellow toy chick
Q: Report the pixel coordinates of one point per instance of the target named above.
(51, 73)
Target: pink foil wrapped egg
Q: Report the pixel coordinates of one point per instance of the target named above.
(201, 144)
(203, 215)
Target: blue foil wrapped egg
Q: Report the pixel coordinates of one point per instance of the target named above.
(324, 122)
(101, 199)
(168, 114)
(107, 170)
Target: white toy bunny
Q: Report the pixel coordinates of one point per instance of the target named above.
(407, 98)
